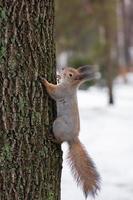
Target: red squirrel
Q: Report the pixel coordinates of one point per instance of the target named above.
(66, 126)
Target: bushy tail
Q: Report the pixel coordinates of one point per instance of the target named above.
(83, 168)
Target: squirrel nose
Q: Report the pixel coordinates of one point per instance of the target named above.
(63, 68)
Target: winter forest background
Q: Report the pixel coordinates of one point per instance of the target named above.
(100, 33)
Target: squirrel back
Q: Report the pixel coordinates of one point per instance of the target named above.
(83, 168)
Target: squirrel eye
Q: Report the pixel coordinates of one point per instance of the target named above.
(70, 75)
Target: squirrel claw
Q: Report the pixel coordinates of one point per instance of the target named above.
(41, 79)
(52, 139)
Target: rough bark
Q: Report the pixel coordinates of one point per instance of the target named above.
(30, 164)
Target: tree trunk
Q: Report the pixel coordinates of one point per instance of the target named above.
(126, 33)
(30, 163)
(109, 65)
(109, 25)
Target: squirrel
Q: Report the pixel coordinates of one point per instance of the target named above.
(66, 126)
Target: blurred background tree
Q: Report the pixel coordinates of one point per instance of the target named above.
(97, 32)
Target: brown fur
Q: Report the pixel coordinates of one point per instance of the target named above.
(83, 168)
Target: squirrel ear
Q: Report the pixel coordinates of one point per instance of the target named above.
(84, 68)
(87, 72)
(81, 76)
(88, 75)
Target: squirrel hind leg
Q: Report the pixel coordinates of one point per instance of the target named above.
(53, 139)
(61, 130)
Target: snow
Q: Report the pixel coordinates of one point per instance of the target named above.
(107, 133)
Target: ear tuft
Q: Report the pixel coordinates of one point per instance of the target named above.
(84, 68)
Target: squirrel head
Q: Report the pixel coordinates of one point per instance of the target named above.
(77, 76)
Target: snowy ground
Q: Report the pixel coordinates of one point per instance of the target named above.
(107, 133)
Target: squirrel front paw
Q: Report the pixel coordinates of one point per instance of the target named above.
(41, 79)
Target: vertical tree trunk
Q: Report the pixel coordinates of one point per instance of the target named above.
(126, 33)
(122, 40)
(30, 164)
(106, 16)
(108, 63)
(109, 25)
